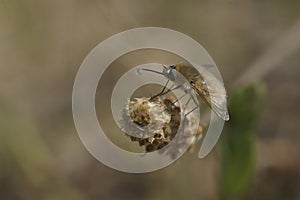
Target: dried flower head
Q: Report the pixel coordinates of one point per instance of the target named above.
(153, 123)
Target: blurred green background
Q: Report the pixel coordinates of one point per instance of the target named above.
(255, 45)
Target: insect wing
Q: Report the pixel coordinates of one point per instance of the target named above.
(216, 95)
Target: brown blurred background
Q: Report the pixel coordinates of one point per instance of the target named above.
(42, 44)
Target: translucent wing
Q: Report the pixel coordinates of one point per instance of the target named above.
(208, 87)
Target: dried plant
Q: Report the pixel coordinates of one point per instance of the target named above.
(154, 123)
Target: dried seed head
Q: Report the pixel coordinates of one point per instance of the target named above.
(160, 119)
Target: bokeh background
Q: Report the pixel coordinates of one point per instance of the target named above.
(256, 45)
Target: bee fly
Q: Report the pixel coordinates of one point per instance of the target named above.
(208, 87)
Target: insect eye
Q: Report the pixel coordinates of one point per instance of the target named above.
(173, 67)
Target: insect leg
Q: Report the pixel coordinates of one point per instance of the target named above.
(172, 88)
(161, 93)
(178, 99)
(195, 101)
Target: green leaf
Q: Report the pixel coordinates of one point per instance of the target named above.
(238, 143)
